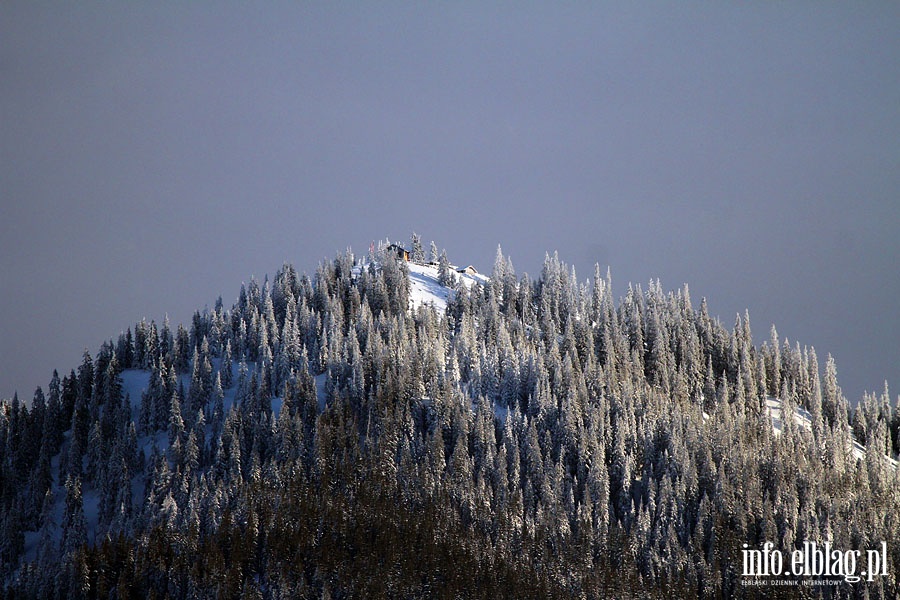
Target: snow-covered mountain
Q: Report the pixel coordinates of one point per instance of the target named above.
(391, 423)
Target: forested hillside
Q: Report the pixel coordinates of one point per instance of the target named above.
(327, 437)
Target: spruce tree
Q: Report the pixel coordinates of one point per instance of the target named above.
(418, 253)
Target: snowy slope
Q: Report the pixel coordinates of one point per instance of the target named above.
(425, 287)
(804, 420)
(801, 415)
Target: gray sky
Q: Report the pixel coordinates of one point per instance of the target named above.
(154, 156)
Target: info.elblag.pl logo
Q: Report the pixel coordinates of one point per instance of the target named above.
(814, 560)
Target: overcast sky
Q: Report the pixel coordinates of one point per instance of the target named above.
(155, 155)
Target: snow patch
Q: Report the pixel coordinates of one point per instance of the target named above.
(803, 419)
(801, 416)
(425, 287)
(321, 395)
(134, 382)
